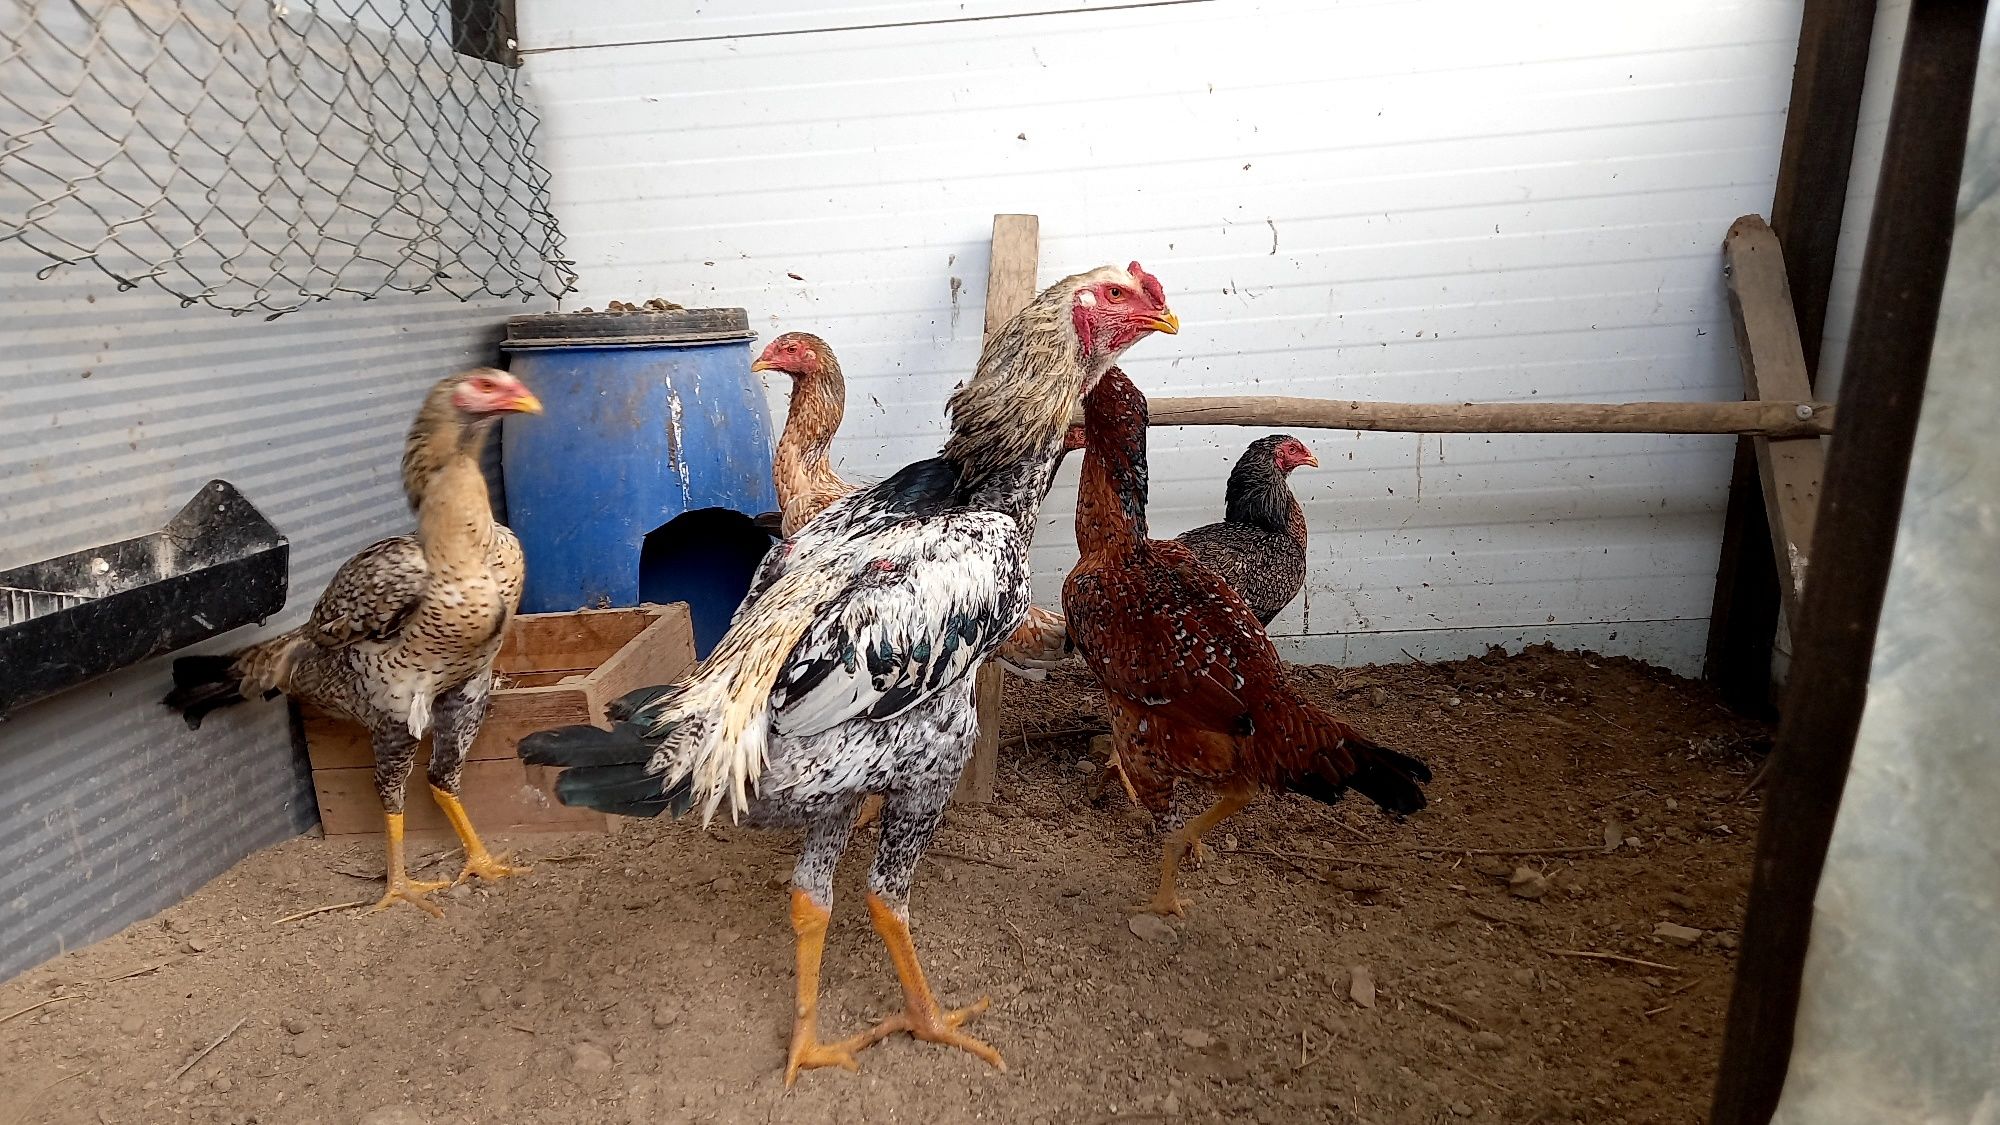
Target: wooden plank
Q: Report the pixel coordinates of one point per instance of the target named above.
(1867, 468)
(537, 641)
(1806, 212)
(660, 655)
(500, 796)
(1010, 285)
(1774, 366)
(1801, 417)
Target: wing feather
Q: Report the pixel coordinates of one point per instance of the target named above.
(371, 595)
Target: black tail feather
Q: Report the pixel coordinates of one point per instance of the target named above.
(203, 684)
(607, 770)
(632, 702)
(1384, 776)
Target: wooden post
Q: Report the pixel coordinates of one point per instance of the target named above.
(1806, 211)
(1010, 285)
(1774, 366)
(1881, 393)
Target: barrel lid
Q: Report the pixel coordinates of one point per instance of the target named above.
(627, 326)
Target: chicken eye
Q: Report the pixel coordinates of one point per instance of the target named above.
(1115, 293)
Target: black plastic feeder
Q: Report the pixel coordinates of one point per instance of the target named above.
(217, 565)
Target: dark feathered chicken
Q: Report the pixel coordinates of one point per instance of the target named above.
(1259, 548)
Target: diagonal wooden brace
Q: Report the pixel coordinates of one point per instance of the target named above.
(1774, 367)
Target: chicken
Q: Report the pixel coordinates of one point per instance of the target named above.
(801, 469)
(807, 484)
(1259, 548)
(403, 639)
(1196, 690)
(848, 671)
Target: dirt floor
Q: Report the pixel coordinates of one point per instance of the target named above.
(1334, 967)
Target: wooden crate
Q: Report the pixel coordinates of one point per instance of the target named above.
(554, 669)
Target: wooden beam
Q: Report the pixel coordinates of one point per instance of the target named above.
(1010, 285)
(1791, 419)
(1806, 212)
(1881, 393)
(1774, 366)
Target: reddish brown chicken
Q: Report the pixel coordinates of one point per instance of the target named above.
(1196, 691)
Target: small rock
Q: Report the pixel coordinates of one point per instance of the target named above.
(1488, 1041)
(1170, 1106)
(222, 1084)
(1633, 841)
(299, 1048)
(459, 892)
(196, 945)
(1197, 1039)
(1361, 986)
(1526, 882)
(488, 995)
(726, 937)
(1677, 899)
(131, 1025)
(1726, 940)
(187, 1086)
(1378, 697)
(1675, 934)
(1614, 835)
(664, 1018)
(1085, 765)
(1523, 977)
(724, 885)
(393, 1115)
(1461, 1109)
(1492, 865)
(178, 925)
(294, 1025)
(1672, 805)
(1151, 927)
(589, 1058)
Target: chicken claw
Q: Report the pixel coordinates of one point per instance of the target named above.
(488, 867)
(928, 1023)
(410, 891)
(1164, 903)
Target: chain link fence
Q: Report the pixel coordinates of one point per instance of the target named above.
(259, 155)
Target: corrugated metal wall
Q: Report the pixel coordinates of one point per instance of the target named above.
(114, 408)
(1419, 200)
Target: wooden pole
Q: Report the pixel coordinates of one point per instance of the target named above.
(1807, 208)
(1010, 285)
(1881, 393)
(1774, 366)
(1789, 419)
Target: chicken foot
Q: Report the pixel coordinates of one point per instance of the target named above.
(1167, 899)
(401, 887)
(478, 861)
(460, 713)
(809, 922)
(922, 1016)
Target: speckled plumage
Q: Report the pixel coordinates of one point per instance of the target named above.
(1259, 546)
(404, 636)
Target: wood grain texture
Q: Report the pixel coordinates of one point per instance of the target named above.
(1010, 284)
(615, 650)
(1788, 419)
(1774, 367)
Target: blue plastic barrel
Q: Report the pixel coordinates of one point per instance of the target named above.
(638, 482)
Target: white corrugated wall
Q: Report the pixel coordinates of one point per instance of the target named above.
(1420, 200)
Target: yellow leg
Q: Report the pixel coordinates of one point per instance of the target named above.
(921, 1015)
(477, 860)
(1167, 899)
(401, 887)
(809, 921)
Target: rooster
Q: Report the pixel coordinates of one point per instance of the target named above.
(807, 484)
(1195, 688)
(848, 670)
(403, 639)
(1259, 547)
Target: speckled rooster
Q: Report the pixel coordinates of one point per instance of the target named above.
(404, 637)
(1196, 690)
(806, 483)
(848, 671)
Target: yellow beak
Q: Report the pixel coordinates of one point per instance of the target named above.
(1166, 322)
(1312, 460)
(527, 403)
(758, 364)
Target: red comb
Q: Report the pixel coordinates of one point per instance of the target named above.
(1148, 283)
